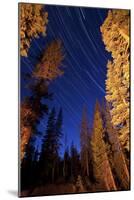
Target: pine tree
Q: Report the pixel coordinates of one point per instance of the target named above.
(51, 144)
(28, 166)
(101, 166)
(58, 137)
(58, 129)
(51, 61)
(90, 159)
(32, 22)
(116, 156)
(66, 165)
(115, 34)
(48, 148)
(75, 162)
(32, 109)
(84, 136)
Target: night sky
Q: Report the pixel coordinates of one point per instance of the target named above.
(84, 65)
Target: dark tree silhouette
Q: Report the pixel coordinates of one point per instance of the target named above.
(66, 165)
(29, 166)
(75, 162)
(51, 144)
(84, 136)
(32, 110)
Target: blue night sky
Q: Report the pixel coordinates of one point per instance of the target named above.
(84, 65)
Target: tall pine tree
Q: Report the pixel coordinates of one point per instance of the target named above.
(51, 144)
(101, 166)
(66, 164)
(32, 109)
(48, 148)
(48, 69)
(75, 162)
(115, 34)
(115, 152)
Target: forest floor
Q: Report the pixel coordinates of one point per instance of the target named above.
(51, 189)
(62, 188)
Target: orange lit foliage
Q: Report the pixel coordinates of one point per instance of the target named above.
(24, 129)
(27, 116)
(32, 22)
(115, 153)
(32, 109)
(115, 34)
(101, 165)
(51, 61)
(48, 69)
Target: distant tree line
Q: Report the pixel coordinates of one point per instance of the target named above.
(101, 162)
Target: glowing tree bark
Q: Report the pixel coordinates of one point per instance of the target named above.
(101, 166)
(32, 22)
(79, 185)
(115, 150)
(115, 34)
(25, 130)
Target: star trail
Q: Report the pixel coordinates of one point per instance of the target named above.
(84, 65)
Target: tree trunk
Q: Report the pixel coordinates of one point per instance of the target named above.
(87, 165)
